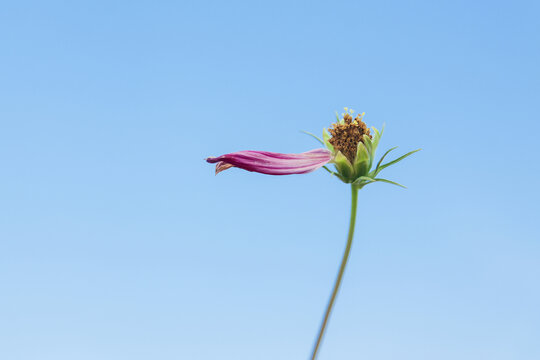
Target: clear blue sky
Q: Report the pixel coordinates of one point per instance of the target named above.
(118, 242)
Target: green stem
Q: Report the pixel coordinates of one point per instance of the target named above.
(354, 201)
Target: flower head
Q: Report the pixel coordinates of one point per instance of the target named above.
(353, 147)
(350, 146)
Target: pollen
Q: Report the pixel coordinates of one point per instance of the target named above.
(347, 134)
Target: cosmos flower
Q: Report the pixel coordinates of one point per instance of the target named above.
(350, 146)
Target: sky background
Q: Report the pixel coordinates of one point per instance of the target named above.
(118, 242)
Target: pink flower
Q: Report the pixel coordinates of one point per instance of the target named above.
(351, 147)
(273, 163)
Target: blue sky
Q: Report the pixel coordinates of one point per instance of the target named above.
(118, 242)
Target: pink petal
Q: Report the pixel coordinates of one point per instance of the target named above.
(273, 163)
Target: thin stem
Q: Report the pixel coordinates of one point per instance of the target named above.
(354, 200)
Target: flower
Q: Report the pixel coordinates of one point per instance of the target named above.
(349, 146)
(353, 147)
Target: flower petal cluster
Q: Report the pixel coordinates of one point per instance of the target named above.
(273, 163)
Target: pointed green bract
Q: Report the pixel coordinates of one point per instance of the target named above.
(327, 169)
(326, 138)
(376, 171)
(376, 138)
(389, 182)
(343, 166)
(368, 144)
(361, 163)
(334, 173)
(314, 136)
(363, 180)
(396, 160)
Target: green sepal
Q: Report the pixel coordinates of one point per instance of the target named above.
(389, 182)
(376, 138)
(326, 138)
(396, 160)
(376, 171)
(367, 143)
(333, 173)
(361, 163)
(344, 167)
(330, 171)
(369, 147)
(363, 181)
(314, 136)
